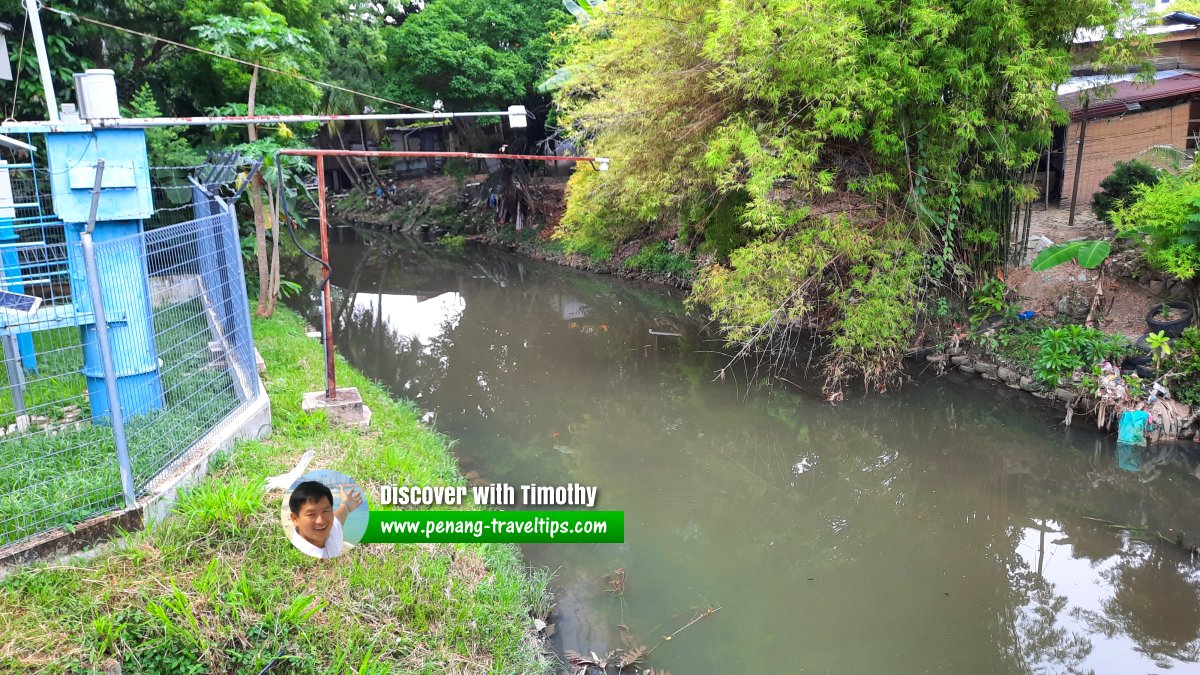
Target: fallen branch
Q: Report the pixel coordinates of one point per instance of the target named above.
(708, 611)
(1143, 533)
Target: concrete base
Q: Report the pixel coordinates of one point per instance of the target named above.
(345, 410)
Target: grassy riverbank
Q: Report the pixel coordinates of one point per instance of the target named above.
(217, 588)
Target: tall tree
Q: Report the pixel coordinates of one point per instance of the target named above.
(873, 147)
(472, 54)
(263, 37)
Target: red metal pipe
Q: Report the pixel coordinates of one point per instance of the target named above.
(327, 294)
(330, 381)
(305, 152)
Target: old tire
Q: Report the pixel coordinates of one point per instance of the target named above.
(1170, 328)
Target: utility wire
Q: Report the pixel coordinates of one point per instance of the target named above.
(231, 58)
(20, 60)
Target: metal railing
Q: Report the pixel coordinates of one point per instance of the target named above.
(140, 346)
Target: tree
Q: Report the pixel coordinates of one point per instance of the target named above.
(363, 67)
(1186, 6)
(472, 54)
(165, 145)
(261, 37)
(281, 177)
(877, 147)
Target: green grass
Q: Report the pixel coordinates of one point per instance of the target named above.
(355, 201)
(57, 381)
(217, 588)
(596, 251)
(57, 477)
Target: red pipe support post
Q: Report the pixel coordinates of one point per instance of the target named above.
(327, 302)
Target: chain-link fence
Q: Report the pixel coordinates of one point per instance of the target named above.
(125, 351)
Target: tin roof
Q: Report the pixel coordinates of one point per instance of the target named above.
(1161, 33)
(1182, 17)
(1126, 93)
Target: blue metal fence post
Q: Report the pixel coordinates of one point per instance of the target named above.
(237, 295)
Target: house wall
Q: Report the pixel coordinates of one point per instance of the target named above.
(1119, 139)
(1168, 56)
(1189, 54)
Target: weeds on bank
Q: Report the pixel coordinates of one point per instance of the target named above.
(217, 588)
(657, 258)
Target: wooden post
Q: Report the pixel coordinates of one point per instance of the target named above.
(1078, 163)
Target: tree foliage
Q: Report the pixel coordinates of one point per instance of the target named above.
(473, 54)
(1165, 219)
(1118, 187)
(877, 143)
(166, 146)
(184, 82)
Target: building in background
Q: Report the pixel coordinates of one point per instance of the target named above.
(1119, 118)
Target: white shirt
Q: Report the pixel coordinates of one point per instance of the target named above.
(333, 545)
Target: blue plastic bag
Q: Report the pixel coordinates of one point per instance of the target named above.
(1132, 429)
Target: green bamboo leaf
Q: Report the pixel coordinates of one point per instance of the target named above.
(1055, 256)
(1092, 253)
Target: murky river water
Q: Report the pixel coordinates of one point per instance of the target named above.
(948, 528)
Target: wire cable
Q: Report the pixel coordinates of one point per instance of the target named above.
(291, 228)
(233, 59)
(291, 220)
(17, 75)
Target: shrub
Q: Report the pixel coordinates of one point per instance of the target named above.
(1165, 220)
(1118, 188)
(453, 242)
(988, 300)
(1184, 364)
(657, 258)
(1062, 351)
(354, 201)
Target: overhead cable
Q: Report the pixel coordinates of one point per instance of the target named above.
(232, 58)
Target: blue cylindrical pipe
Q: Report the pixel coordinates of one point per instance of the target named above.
(10, 265)
(124, 284)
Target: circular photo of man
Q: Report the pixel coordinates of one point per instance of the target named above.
(325, 514)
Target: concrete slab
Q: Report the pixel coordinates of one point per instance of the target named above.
(346, 409)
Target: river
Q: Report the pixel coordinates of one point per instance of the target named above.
(952, 526)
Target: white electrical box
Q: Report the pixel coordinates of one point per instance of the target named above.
(96, 93)
(5, 66)
(516, 117)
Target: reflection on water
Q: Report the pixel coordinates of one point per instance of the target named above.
(949, 528)
(413, 316)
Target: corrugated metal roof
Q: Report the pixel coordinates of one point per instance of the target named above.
(1085, 36)
(1182, 17)
(1131, 92)
(1092, 81)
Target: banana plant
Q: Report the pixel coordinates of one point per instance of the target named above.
(1089, 254)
